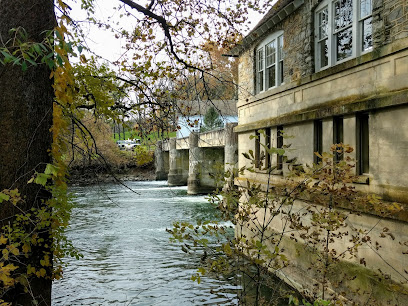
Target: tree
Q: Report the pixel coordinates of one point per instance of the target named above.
(211, 120)
(35, 52)
(26, 108)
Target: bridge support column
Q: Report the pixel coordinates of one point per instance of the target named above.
(176, 175)
(159, 158)
(230, 152)
(195, 162)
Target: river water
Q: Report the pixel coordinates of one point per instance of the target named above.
(128, 259)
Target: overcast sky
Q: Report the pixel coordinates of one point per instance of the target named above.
(103, 42)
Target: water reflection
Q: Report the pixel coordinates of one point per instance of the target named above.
(128, 259)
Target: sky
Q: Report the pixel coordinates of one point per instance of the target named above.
(103, 42)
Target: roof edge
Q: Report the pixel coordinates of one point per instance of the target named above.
(264, 26)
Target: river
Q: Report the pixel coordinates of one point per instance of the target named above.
(128, 259)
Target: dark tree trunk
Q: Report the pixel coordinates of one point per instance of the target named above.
(26, 102)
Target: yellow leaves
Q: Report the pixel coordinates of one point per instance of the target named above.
(3, 303)
(5, 253)
(33, 271)
(10, 195)
(30, 270)
(10, 249)
(5, 272)
(26, 248)
(13, 249)
(41, 273)
(46, 261)
(3, 240)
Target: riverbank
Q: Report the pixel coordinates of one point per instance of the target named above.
(94, 175)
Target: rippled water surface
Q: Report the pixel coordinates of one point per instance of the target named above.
(128, 259)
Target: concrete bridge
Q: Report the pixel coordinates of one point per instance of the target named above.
(197, 160)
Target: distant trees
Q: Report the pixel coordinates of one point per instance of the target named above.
(211, 120)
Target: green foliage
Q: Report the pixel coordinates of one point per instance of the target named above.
(142, 156)
(211, 120)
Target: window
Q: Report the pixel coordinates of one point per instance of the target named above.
(267, 146)
(363, 146)
(279, 145)
(269, 62)
(257, 150)
(318, 140)
(338, 136)
(343, 30)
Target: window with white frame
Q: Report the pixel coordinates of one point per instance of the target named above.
(269, 62)
(343, 31)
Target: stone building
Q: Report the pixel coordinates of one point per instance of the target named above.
(324, 72)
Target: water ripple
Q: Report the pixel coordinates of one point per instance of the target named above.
(128, 259)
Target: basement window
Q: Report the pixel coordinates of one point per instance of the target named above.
(338, 136)
(257, 150)
(279, 145)
(269, 63)
(318, 140)
(268, 146)
(363, 144)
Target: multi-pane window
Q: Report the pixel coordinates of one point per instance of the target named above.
(269, 63)
(343, 30)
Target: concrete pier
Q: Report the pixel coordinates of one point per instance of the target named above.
(198, 161)
(161, 161)
(178, 165)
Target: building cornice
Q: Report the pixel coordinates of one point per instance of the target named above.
(265, 25)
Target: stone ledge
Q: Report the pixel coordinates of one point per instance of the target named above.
(343, 106)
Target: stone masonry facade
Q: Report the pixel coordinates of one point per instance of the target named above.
(368, 90)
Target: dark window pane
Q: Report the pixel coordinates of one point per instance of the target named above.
(338, 136)
(324, 53)
(344, 44)
(279, 144)
(367, 34)
(268, 145)
(363, 146)
(271, 73)
(270, 51)
(260, 81)
(260, 60)
(257, 150)
(280, 71)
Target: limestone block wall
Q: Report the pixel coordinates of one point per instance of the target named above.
(299, 139)
(389, 151)
(390, 23)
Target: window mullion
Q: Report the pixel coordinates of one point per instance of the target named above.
(356, 32)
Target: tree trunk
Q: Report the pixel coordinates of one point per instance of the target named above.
(26, 104)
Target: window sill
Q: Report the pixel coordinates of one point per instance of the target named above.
(266, 171)
(363, 179)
